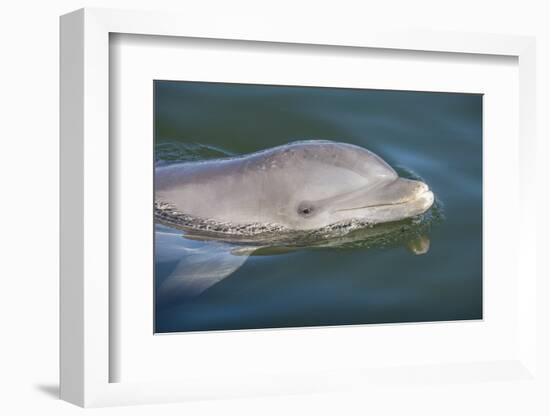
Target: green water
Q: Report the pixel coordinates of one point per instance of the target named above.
(433, 136)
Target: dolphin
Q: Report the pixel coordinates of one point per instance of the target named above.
(313, 193)
(305, 185)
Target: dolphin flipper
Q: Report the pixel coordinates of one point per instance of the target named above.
(199, 264)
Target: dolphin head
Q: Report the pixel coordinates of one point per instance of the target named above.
(331, 183)
(300, 186)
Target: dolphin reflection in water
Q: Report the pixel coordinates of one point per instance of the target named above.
(310, 194)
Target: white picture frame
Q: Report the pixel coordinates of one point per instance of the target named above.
(85, 211)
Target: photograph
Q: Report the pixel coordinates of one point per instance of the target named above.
(288, 206)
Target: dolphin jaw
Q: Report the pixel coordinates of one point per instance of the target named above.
(390, 212)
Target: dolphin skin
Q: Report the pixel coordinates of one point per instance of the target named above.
(302, 186)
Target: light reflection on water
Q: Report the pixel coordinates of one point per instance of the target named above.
(436, 136)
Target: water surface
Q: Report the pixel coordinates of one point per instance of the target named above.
(433, 136)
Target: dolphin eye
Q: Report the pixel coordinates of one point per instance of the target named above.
(306, 210)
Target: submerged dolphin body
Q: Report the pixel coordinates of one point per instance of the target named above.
(314, 194)
(299, 186)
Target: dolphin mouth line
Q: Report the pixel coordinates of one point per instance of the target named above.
(425, 193)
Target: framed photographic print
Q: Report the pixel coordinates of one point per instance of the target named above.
(270, 211)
